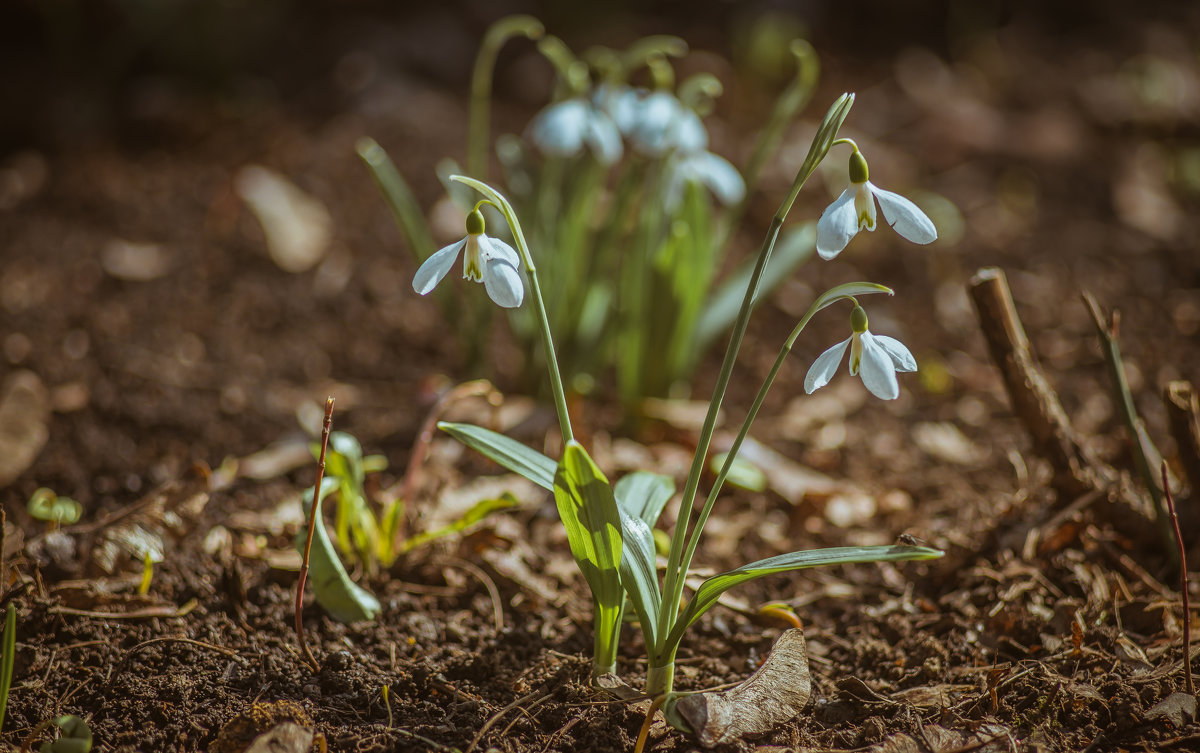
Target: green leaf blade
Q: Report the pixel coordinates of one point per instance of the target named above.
(639, 576)
(710, 590)
(643, 495)
(509, 453)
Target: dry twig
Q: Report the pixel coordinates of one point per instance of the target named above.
(313, 519)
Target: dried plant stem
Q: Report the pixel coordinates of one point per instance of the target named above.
(313, 519)
(1145, 454)
(1183, 586)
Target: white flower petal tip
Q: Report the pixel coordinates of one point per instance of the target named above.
(435, 268)
(879, 358)
(905, 217)
(824, 367)
(837, 225)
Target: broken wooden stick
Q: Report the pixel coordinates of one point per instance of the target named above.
(1076, 469)
(1033, 399)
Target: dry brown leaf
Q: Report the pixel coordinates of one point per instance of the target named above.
(774, 694)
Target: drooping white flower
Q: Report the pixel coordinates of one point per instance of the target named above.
(711, 170)
(692, 162)
(876, 358)
(854, 210)
(619, 102)
(564, 128)
(488, 260)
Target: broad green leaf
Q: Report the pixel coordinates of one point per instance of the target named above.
(479, 511)
(795, 246)
(643, 495)
(639, 576)
(344, 599)
(710, 590)
(589, 513)
(509, 453)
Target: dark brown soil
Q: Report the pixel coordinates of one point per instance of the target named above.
(1070, 146)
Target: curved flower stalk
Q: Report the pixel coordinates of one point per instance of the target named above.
(876, 358)
(854, 210)
(488, 260)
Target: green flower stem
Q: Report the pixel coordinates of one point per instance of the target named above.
(481, 85)
(675, 576)
(731, 456)
(556, 385)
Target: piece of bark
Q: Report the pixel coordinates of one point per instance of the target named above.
(1183, 412)
(774, 694)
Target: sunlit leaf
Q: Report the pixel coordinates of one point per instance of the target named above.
(643, 495)
(478, 512)
(710, 590)
(639, 576)
(509, 453)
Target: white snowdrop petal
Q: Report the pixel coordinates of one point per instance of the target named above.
(433, 269)
(503, 283)
(604, 138)
(494, 248)
(905, 217)
(825, 367)
(838, 224)
(877, 371)
(721, 177)
(901, 356)
(690, 134)
(559, 129)
(656, 116)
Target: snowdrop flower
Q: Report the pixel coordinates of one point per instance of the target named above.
(693, 163)
(563, 128)
(876, 358)
(620, 103)
(488, 260)
(854, 210)
(662, 123)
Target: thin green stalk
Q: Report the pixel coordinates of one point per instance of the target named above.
(731, 456)
(556, 385)
(481, 85)
(673, 586)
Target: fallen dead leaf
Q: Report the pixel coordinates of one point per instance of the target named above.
(24, 413)
(774, 694)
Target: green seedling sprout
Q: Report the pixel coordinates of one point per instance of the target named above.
(7, 657)
(76, 735)
(610, 527)
(55, 510)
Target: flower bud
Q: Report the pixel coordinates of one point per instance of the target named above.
(858, 320)
(858, 168)
(475, 223)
